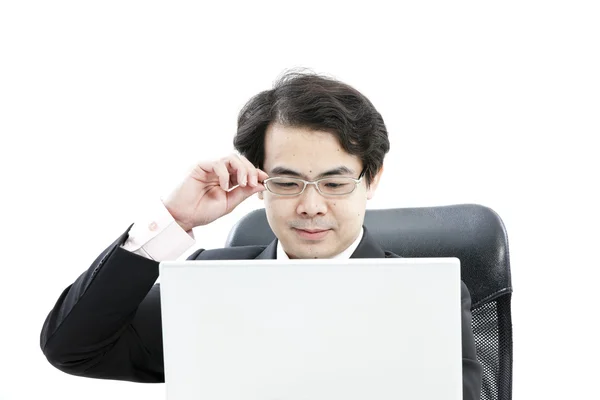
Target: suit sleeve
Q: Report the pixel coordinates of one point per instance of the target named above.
(472, 371)
(107, 324)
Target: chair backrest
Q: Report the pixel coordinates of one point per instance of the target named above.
(474, 234)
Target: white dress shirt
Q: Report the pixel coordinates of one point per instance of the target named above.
(162, 239)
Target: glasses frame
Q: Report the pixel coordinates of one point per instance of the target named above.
(316, 183)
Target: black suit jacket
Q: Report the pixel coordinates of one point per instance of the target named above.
(107, 324)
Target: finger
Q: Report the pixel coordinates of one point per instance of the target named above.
(252, 171)
(239, 194)
(236, 165)
(221, 170)
(262, 175)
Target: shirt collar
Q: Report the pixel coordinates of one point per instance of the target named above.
(281, 254)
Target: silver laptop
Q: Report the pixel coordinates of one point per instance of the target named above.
(358, 329)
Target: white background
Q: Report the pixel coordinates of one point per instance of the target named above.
(105, 105)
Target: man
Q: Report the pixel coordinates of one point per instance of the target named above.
(312, 148)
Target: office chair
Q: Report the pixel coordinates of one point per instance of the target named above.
(474, 234)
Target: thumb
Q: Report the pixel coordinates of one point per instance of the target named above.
(239, 194)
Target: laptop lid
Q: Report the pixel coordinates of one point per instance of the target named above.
(312, 329)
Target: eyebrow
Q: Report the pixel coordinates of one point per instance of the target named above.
(332, 172)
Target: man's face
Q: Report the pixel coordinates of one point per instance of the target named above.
(310, 154)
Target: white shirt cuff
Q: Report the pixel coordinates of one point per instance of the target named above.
(158, 236)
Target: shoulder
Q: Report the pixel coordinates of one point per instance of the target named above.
(228, 253)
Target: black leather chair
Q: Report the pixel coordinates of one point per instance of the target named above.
(472, 233)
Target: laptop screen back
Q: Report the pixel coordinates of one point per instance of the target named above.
(312, 329)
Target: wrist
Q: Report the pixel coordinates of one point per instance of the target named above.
(185, 227)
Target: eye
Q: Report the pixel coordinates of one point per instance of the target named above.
(333, 185)
(286, 184)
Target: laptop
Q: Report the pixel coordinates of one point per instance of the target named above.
(357, 329)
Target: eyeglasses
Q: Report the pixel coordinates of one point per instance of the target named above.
(335, 186)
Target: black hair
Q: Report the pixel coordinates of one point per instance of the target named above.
(309, 100)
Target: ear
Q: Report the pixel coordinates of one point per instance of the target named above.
(374, 184)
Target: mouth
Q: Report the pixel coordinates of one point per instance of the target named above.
(312, 234)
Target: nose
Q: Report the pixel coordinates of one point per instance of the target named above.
(311, 202)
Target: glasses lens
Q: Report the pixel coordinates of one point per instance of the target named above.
(329, 186)
(285, 186)
(337, 186)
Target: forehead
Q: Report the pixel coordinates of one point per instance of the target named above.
(304, 148)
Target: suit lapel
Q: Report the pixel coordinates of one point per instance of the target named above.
(368, 248)
(270, 252)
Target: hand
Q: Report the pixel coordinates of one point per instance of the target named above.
(213, 189)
